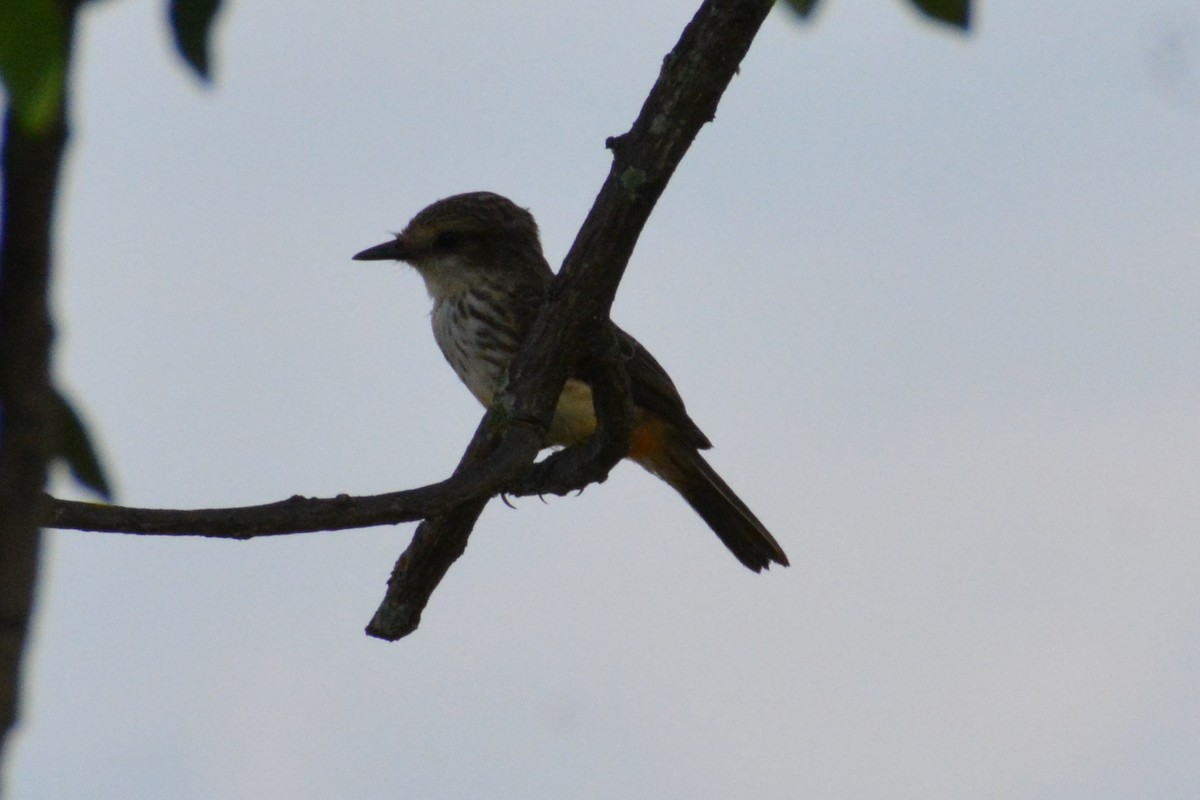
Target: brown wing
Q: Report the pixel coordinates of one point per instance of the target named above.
(653, 391)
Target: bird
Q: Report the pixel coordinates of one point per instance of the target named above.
(480, 256)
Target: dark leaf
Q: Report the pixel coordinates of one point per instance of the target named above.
(74, 446)
(33, 60)
(802, 7)
(191, 25)
(953, 12)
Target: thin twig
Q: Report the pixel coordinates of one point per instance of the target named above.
(305, 514)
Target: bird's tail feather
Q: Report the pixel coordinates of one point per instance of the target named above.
(682, 466)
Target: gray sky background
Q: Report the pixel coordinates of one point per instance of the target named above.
(933, 298)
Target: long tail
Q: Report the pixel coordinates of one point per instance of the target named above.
(682, 466)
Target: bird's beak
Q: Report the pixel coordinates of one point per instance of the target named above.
(388, 251)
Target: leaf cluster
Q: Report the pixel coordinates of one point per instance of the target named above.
(34, 55)
(34, 52)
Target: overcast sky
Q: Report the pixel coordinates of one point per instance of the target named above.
(934, 298)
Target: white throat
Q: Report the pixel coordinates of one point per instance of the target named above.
(446, 276)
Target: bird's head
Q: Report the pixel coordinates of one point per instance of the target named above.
(461, 240)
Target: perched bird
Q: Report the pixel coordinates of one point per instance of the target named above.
(482, 262)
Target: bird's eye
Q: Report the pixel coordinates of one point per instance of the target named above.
(446, 241)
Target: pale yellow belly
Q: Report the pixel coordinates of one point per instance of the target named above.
(574, 417)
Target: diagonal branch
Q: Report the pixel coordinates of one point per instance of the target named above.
(564, 338)
(577, 467)
(440, 540)
(693, 78)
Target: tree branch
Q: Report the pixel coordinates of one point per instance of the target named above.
(306, 514)
(32, 162)
(440, 540)
(576, 467)
(565, 337)
(693, 78)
